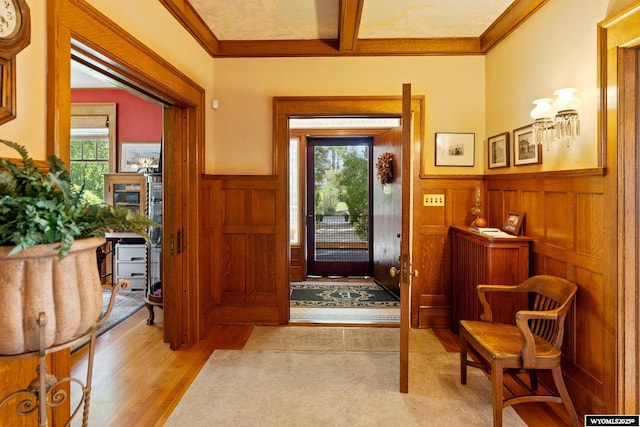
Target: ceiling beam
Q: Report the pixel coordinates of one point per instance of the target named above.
(192, 22)
(516, 14)
(350, 13)
(365, 47)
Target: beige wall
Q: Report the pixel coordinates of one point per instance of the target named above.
(143, 19)
(555, 48)
(453, 86)
(29, 126)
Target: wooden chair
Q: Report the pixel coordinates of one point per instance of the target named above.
(533, 343)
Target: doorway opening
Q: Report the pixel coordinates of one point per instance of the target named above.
(332, 211)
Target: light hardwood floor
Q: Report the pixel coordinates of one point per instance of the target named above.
(138, 380)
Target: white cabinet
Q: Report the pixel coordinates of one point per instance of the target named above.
(131, 264)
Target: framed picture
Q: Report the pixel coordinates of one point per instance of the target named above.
(136, 155)
(513, 223)
(498, 149)
(455, 149)
(525, 151)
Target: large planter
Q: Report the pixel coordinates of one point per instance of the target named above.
(68, 291)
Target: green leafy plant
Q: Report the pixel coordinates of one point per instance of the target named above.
(39, 208)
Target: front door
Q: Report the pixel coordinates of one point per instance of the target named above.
(339, 205)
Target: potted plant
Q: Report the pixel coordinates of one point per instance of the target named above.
(48, 263)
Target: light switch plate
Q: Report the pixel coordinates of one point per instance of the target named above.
(433, 199)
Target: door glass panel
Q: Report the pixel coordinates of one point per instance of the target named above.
(294, 191)
(339, 230)
(342, 200)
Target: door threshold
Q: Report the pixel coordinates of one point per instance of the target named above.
(360, 316)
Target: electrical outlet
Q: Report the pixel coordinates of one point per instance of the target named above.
(433, 199)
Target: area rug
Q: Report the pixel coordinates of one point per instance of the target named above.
(341, 294)
(319, 376)
(127, 303)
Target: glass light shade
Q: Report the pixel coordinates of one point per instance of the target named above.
(542, 109)
(566, 99)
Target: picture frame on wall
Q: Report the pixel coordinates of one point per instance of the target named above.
(498, 150)
(513, 223)
(455, 149)
(525, 150)
(139, 155)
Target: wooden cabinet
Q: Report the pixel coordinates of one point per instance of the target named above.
(480, 259)
(128, 190)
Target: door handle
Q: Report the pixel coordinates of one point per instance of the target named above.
(393, 271)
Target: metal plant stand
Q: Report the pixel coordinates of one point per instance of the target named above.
(45, 390)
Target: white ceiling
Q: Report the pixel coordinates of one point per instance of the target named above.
(318, 19)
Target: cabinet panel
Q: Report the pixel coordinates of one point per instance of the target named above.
(479, 259)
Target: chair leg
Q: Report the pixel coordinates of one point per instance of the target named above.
(564, 394)
(533, 379)
(497, 373)
(463, 358)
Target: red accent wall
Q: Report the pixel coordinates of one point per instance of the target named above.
(138, 120)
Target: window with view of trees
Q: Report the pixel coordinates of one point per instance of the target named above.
(92, 147)
(89, 163)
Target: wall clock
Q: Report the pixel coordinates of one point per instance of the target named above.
(15, 35)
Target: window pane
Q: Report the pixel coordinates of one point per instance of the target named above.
(89, 150)
(76, 149)
(91, 173)
(103, 149)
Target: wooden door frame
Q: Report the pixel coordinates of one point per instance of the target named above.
(134, 65)
(285, 108)
(619, 58)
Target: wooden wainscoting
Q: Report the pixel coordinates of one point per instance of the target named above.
(567, 218)
(243, 251)
(431, 297)
(569, 222)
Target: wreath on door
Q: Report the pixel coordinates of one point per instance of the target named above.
(384, 165)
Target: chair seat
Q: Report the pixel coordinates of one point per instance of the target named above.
(504, 342)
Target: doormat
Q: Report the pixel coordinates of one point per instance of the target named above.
(126, 305)
(341, 294)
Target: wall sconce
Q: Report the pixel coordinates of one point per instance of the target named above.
(544, 124)
(567, 119)
(558, 120)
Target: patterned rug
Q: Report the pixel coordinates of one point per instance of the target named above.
(127, 303)
(341, 294)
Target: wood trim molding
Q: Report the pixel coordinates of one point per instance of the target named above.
(516, 14)
(619, 41)
(192, 22)
(73, 24)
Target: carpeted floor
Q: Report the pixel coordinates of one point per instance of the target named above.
(127, 303)
(303, 376)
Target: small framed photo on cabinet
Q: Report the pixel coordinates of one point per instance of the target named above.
(513, 223)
